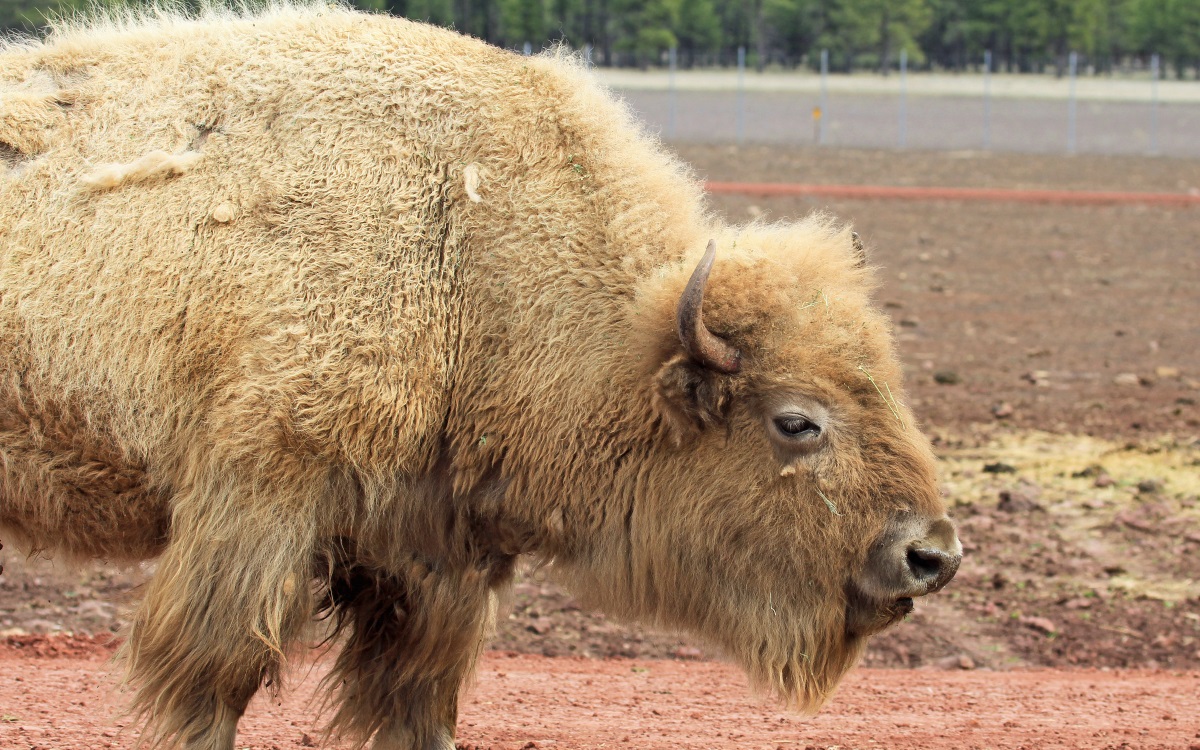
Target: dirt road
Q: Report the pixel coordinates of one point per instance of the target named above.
(68, 702)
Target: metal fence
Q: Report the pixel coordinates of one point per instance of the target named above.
(1036, 114)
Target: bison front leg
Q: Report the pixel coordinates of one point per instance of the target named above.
(411, 639)
(231, 592)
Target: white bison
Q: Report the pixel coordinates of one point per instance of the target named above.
(337, 314)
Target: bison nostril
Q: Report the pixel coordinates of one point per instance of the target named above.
(928, 565)
(916, 556)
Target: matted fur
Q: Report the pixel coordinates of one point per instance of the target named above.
(342, 313)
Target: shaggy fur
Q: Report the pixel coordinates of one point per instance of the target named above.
(341, 313)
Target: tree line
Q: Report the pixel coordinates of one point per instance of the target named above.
(1022, 35)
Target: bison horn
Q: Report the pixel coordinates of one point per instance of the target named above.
(701, 344)
(860, 254)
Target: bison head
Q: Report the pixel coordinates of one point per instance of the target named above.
(787, 507)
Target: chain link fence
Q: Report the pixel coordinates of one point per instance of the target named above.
(1015, 113)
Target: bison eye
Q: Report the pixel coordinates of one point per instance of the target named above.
(797, 426)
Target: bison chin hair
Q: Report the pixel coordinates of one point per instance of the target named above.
(801, 666)
(795, 653)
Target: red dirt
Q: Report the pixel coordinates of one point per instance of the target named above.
(993, 195)
(68, 702)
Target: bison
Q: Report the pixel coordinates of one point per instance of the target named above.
(339, 316)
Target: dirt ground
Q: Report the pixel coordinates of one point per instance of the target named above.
(63, 701)
(1053, 354)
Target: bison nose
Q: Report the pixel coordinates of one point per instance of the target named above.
(932, 558)
(916, 555)
(931, 568)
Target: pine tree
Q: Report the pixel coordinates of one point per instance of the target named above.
(1170, 28)
(877, 29)
(698, 29)
(565, 21)
(30, 15)
(440, 12)
(644, 28)
(521, 22)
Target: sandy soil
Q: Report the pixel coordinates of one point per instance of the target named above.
(67, 702)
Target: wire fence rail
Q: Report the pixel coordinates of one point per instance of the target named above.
(958, 194)
(984, 111)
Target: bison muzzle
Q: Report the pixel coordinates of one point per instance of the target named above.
(339, 316)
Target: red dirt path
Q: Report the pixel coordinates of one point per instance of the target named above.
(59, 695)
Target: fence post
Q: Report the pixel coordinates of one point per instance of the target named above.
(824, 97)
(987, 99)
(741, 95)
(587, 55)
(902, 132)
(528, 49)
(1154, 72)
(1073, 63)
(672, 96)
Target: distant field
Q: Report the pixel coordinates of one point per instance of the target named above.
(1100, 88)
(1027, 114)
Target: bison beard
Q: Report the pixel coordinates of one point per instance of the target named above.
(338, 316)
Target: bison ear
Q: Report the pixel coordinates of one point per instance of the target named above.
(689, 396)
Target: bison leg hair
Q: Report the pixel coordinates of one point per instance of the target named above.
(230, 595)
(410, 639)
